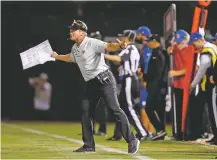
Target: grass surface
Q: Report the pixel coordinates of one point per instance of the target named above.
(19, 142)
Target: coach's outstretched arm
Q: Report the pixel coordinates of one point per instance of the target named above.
(114, 47)
(113, 58)
(65, 58)
(122, 56)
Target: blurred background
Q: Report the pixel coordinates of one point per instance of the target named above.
(26, 24)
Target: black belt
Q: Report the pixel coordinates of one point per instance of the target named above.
(103, 77)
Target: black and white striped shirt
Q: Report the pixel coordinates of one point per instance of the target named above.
(130, 61)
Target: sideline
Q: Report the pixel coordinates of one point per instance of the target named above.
(105, 148)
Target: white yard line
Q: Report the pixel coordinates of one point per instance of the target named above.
(208, 146)
(105, 148)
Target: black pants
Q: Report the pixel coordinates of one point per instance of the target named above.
(209, 97)
(179, 101)
(129, 94)
(194, 119)
(41, 115)
(193, 122)
(155, 106)
(104, 86)
(101, 115)
(206, 125)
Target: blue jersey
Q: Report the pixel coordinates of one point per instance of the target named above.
(147, 56)
(146, 59)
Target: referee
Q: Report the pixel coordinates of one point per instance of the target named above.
(129, 59)
(87, 53)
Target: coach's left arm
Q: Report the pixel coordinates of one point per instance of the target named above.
(114, 47)
(101, 46)
(121, 57)
(113, 58)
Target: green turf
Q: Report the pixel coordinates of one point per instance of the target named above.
(17, 143)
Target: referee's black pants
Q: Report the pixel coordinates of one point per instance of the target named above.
(100, 108)
(101, 115)
(155, 105)
(104, 85)
(128, 95)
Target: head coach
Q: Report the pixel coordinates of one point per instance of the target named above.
(88, 54)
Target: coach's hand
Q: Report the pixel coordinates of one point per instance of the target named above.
(122, 44)
(63, 57)
(54, 54)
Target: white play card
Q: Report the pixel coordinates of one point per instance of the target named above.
(37, 55)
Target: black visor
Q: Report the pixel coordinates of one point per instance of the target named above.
(78, 25)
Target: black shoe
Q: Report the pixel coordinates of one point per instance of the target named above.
(205, 135)
(85, 149)
(133, 146)
(100, 134)
(211, 140)
(176, 138)
(114, 138)
(143, 138)
(151, 135)
(138, 136)
(159, 136)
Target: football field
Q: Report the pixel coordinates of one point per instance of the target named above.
(57, 140)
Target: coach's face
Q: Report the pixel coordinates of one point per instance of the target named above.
(75, 34)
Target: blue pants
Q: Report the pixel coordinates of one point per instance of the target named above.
(143, 96)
